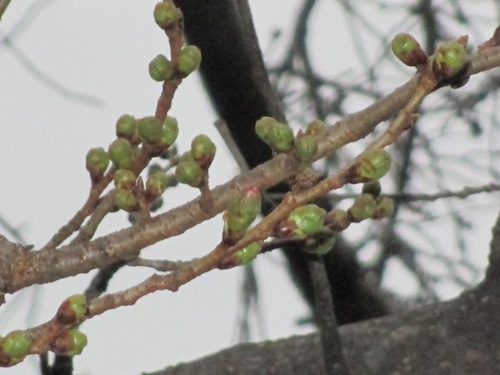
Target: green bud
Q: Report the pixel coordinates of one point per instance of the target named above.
(69, 343)
(72, 310)
(263, 127)
(337, 220)
(121, 153)
(306, 219)
(362, 208)
(150, 129)
(281, 137)
(384, 207)
(189, 172)
(16, 344)
(189, 60)
(242, 212)
(126, 127)
(166, 14)
(320, 242)
(160, 68)
(156, 184)
(126, 200)
(248, 253)
(372, 165)
(203, 150)
(372, 187)
(449, 58)
(125, 179)
(97, 161)
(306, 147)
(317, 128)
(169, 131)
(408, 50)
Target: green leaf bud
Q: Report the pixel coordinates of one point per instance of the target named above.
(189, 172)
(125, 179)
(166, 14)
(160, 68)
(337, 220)
(170, 131)
(150, 129)
(449, 59)
(372, 187)
(126, 200)
(203, 150)
(97, 161)
(156, 184)
(408, 50)
(306, 147)
(16, 345)
(362, 208)
(281, 137)
(307, 219)
(121, 153)
(72, 310)
(248, 253)
(242, 212)
(69, 343)
(189, 60)
(317, 128)
(384, 207)
(126, 127)
(372, 165)
(263, 127)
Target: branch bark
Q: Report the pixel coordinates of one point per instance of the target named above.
(455, 337)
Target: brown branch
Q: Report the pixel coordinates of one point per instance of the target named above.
(3, 6)
(45, 266)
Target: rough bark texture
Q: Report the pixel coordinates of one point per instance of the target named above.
(458, 337)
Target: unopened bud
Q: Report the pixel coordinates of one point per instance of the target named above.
(306, 220)
(126, 127)
(189, 60)
(166, 14)
(263, 127)
(203, 150)
(362, 208)
(97, 162)
(70, 343)
(126, 200)
(16, 345)
(281, 137)
(121, 153)
(306, 147)
(189, 172)
(169, 131)
(156, 184)
(160, 68)
(124, 179)
(408, 50)
(449, 59)
(72, 310)
(372, 165)
(384, 207)
(150, 129)
(337, 220)
(241, 213)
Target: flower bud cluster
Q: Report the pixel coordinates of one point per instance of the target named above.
(193, 165)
